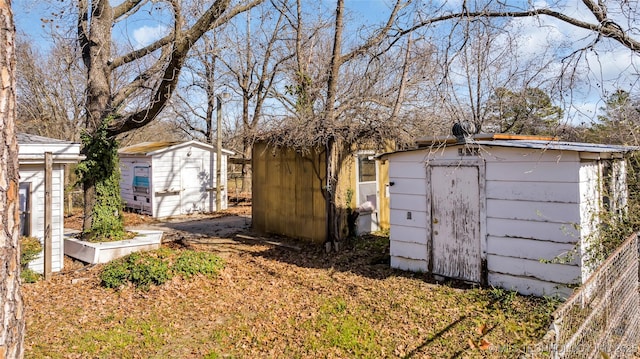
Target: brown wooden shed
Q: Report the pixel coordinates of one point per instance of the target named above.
(288, 191)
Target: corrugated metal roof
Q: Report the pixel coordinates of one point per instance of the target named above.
(518, 141)
(559, 145)
(145, 147)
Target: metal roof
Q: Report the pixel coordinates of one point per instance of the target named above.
(559, 145)
(518, 141)
(146, 147)
(152, 148)
(26, 138)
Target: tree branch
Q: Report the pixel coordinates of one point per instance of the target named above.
(606, 28)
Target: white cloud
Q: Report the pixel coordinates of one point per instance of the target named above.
(145, 35)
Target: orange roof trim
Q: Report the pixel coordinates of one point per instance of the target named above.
(446, 140)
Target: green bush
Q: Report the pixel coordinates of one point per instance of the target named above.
(190, 263)
(115, 274)
(29, 276)
(148, 269)
(157, 267)
(30, 248)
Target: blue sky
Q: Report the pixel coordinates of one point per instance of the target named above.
(613, 65)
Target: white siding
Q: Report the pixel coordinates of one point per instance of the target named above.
(539, 204)
(533, 249)
(167, 179)
(175, 188)
(529, 286)
(408, 214)
(35, 175)
(135, 201)
(532, 215)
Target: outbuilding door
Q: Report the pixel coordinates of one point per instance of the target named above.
(455, 222)
(194, 184)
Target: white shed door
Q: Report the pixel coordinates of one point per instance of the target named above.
(455, 222)
(194, 183)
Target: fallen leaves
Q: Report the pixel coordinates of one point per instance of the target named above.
(270, 301)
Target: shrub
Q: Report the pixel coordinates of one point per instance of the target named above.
(144, 269)
(115, 274)
(29, 276)
(30, 248)
(148, 269)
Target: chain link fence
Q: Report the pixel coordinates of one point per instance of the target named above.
(601, 319)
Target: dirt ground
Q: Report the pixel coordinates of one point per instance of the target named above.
(275, 298)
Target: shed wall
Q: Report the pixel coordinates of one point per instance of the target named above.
(137, 201)
(176, 188)
(533, 210)
(533, 207)
(35, 175)
(287, 193)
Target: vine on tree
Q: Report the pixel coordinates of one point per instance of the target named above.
(101, 167)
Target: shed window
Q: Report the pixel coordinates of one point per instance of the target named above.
(366, 168)
(24, 193)
(141, 179)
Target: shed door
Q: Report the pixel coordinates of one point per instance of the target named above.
(455, 222)
(194, 184)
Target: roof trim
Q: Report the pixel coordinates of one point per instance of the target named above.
(532, 144)
(449, 139)
(155, 148)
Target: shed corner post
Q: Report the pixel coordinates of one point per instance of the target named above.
(48, 218)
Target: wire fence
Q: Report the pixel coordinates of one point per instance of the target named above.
(601, 319)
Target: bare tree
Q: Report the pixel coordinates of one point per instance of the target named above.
(12, 321)
(196, 118)
(342, 94)
(50, 90)
(253, 70)
(112, 111)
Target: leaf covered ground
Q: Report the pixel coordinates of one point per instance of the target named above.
(280, 299)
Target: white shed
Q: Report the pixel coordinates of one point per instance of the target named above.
(31, 157)
(164, 179)
(495, 210)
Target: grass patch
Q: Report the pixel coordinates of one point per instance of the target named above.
(338, 327)
(117, 336)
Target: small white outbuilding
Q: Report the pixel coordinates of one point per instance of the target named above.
(32, 192)
(164, 179)
(498, 209)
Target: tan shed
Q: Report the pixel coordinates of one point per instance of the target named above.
(288, 192)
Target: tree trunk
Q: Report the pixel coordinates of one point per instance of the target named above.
(246, 168)
(333, 167)
(332, 146)
(11, 311)
(96, 52)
